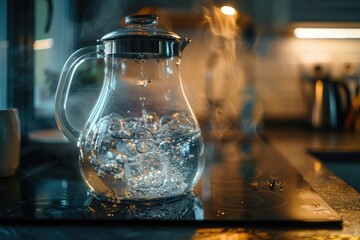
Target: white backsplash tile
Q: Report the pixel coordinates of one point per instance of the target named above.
(278, 66)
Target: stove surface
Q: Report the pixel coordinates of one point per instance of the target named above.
(245, 183)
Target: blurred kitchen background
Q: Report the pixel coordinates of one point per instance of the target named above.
(258, 65)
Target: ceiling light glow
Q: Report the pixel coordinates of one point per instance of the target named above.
(228, 10)
(327, 33)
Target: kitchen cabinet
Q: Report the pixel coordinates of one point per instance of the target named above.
(277, 14)
(325, 10)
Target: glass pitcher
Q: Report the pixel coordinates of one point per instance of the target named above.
(141, 140)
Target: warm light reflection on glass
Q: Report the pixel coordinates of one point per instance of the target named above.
(327, 33)
(43, 44)
(317, 167)
(316, 111)
(228, 10)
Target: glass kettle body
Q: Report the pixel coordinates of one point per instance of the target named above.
(141, 140)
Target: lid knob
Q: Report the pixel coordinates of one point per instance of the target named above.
(142, 19)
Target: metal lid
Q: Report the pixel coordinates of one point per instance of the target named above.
(142, 39)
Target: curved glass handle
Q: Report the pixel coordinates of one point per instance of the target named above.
(63, 88)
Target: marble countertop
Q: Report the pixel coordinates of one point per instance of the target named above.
(295, 144)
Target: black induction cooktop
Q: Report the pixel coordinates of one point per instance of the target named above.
(245, 183)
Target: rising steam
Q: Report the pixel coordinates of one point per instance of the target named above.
(224, 74)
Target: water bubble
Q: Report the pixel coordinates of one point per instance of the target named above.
(151, 118)
(148, 172)
(123, 133)
(111, 168)
(131, 148)
(140, 131)
(107, 156)
(120, 147)
(167, 120)
(165, 145)
(100, 172)
(87, 146)
(139, 157)
(282, 185)
(120, 158)
(183, 124)
(150, 122)
(119, 175)
(185, 151)
(143, 146)
(130, 122)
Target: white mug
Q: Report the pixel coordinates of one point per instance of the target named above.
(9, 142)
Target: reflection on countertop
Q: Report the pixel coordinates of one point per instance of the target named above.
(292, 143)
(298, 144)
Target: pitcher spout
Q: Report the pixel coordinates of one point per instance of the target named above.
(183, 42)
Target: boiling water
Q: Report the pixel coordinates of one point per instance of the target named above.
(141, 158)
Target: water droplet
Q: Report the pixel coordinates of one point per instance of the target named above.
(119, 175)
(272, 184)
(143, 82)
(123, 67)
(254, 184)
(168, 95)
(140, 58)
